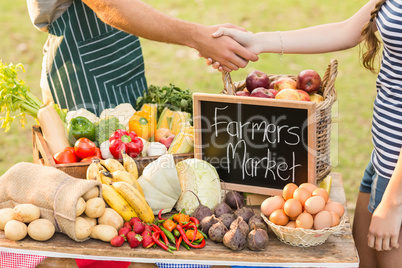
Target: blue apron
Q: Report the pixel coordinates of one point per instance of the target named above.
(92, 65)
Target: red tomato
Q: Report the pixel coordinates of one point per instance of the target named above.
(65, 157)
(98, 153)
(89, 158)
(84, 147)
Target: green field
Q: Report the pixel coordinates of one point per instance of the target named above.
(351, 137)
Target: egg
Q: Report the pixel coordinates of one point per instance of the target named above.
(335, 207)
(304, 220)
(335, 219)
(291, 224)
(288, 190)
(271, 204)
(279, 217)
(308, 186)
(314, 204)
(292, 207)
(322, 220)
(321, 192)
(301, 195)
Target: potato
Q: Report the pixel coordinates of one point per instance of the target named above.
(26, 213)
(95, 207)
(112, 218)
(6, 214)
(94, 192)
(80, 208)
(41, 229)
(15, 230)
(82, 228)
(104, 232)
(92, 221)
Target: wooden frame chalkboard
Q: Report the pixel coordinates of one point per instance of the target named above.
(257, 145)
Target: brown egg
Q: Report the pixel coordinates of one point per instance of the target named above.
(335, 219)
(308, 186)
(335, 207)
(291, 224)
(301, 195)
(271, 204)
(305, 221)
(322, 220)
(292, 207)
(288, 190)
(314, 204)
(279, 217)
(321, 192)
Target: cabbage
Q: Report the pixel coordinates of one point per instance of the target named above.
(200, 177)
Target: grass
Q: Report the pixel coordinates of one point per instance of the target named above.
(351, 138)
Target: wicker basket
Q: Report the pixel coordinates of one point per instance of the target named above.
(303, 237)
(323, 113)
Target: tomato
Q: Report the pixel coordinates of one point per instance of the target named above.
(89, 158)
(84, 147)
(65, 156)
(98, 153)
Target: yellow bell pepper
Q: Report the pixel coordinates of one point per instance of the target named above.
(143, 124)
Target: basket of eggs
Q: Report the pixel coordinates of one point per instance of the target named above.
(304, 215)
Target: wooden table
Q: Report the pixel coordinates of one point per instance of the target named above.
(337, 251)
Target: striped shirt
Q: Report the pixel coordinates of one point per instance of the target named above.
(387, 114)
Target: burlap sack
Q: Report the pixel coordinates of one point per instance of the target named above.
(53, 191)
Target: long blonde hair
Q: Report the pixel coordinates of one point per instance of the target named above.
(371, 42)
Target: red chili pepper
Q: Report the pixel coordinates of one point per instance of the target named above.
(195, 220)
(178, 242)
(165, 239)
(156, 228)
(151, 244)
(195, 232)
(155, 238)
(185, 239)
(160, 215)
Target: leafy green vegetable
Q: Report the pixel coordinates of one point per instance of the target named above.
(105, 127)
(167, 96)
(15, 96)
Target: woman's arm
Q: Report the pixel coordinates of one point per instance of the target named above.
(140, 19)
(317, 39)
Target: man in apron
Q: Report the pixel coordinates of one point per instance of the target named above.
(93, 57)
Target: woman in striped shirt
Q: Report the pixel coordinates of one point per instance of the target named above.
(378, 216)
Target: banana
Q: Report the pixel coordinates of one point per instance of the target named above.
(93, 172)
(127, 177)
(117, 202)
(105, 177)
(129, 165)
(136, 200)
(112, 164)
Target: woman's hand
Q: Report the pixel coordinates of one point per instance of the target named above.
(385, 226)
(244, 38)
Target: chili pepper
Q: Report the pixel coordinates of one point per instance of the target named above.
(155, 238)
(185, 239)
(176, 233)
(203, 234)
(195, 220)
(164, 237)
(155, 228)
(198, 241)
(169, 225)
(178, 242)
(192, 235)
(168, 234)
(151, 244)
(127, 141)
(80, 127)
(192, 225)
(184, 244)
(186, 225)
(160, 215)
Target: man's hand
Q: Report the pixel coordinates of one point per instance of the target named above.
(229, 54)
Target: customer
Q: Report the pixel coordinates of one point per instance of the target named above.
(93, 57)
(378, 216)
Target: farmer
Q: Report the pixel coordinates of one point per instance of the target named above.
(93, 57)
(378, 216)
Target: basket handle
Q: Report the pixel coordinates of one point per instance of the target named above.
(329, 79)
(228, 86)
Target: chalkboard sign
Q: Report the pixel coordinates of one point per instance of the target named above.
(257, 145)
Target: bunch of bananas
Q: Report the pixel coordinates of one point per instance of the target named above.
(120, 188)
